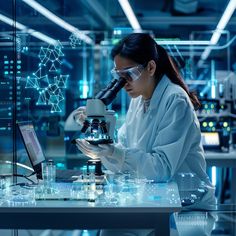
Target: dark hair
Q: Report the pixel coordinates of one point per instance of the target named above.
(141, 48)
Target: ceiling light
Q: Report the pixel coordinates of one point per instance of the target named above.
(182, 42)
(130, 14)
(24, 28)
(57, 20)
(219, 29)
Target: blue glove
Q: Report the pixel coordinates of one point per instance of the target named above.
(94, 151)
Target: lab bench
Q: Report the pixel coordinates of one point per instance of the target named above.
(152, 210)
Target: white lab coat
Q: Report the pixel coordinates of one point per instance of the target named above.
(162, 142)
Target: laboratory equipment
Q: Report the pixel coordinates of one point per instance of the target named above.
(20, 196)
(99, 125)
(216, 132)
(49, 176)
(97, 166)
(49, 171)
(37, 156)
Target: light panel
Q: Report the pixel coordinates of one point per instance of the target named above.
(32, 32)
(57, 20)
(213, 175)
(183, 42)
(219, 28)
(130, 15)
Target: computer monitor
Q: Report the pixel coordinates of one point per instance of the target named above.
(32, 146)
(36, 155)
(210, 140)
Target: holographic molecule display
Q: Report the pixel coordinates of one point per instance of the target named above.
(74, 40)
(48, 79)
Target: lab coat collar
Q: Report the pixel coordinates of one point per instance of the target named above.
(158, 92)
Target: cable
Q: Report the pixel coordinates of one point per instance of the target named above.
(223, 46)
(18, 175)
(33, 173)
(212, 47)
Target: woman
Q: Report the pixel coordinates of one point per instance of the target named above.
(161, 135)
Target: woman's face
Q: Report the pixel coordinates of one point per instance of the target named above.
(142, 85)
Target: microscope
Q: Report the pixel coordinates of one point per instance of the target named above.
(99, 125)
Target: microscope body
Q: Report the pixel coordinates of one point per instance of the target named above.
(99, 125)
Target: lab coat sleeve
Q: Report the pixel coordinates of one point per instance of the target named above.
(122, 136)
(170, 148)
(115, 162)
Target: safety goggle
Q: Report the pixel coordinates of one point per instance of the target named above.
(132, 73)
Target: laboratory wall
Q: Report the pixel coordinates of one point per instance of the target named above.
(47, 71)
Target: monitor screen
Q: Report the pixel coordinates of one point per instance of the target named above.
(210, 139)
(31, 143)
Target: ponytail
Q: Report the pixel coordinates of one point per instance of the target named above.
(166, 65)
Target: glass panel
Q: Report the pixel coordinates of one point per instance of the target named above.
(7, 89)
(57, 74)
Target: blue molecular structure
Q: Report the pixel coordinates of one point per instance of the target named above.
(74, 40)
(47, 79)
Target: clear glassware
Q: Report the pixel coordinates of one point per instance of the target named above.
(49, 176)
(2, 190)
(77, 191)
(18, 196)
(111, 194)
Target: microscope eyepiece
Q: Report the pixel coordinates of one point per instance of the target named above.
(111, 92)
(100, 94)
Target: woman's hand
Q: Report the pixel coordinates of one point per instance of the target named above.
(94, 151)
(80, 115)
